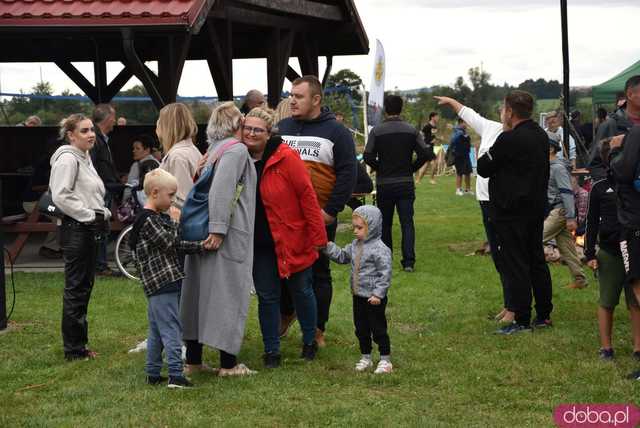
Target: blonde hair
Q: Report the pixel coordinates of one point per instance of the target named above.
(265, 114)
(158, 179)
(175, 124)
(364, 221)
(69, 124)
(283, 110)
(225, 120)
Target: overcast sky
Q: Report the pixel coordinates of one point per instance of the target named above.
(430, 42)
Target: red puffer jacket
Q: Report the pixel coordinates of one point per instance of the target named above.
(292, 210)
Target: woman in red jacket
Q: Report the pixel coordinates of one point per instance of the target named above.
(289, 230)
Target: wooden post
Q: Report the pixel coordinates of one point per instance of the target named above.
(279, 47)
(565, 68)
(309, 58)
(100, 75)
(171, 64)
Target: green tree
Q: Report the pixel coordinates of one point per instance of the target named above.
(349, 79)
(137, 112)
(481, 91)
(67, 107)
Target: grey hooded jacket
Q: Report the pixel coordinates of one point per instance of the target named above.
(560, 190)
(370, 259)
(76, 187)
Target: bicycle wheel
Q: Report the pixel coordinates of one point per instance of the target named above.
(124, 255)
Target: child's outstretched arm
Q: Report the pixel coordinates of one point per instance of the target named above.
(383, 266)
(337, 254)
(190, 247)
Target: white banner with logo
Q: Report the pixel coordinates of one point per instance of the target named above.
(376, 90)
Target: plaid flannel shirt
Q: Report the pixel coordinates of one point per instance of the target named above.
(156, 253)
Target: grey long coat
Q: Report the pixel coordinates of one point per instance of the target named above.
(216, 289)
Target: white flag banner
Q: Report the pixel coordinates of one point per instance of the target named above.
(376, 90)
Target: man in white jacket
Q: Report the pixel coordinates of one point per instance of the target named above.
(489, 131)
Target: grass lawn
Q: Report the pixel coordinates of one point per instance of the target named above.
(450, 369)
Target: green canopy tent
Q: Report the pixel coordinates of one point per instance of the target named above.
(605, 93)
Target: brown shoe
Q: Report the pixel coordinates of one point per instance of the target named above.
(320, 338)
(285, 323)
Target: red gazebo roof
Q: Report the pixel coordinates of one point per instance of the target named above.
(101, 13)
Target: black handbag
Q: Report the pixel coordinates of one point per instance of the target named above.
(46, 205)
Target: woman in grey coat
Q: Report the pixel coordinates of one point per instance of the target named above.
(216, 290)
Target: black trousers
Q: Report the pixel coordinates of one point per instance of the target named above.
(371, 323)
(78, 242)
(493, 246)
(520, 257)
(322, 285)
(388, 200)
(194, 355)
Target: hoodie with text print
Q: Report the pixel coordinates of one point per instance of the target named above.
(329, 153)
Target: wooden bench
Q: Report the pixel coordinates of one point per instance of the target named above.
(24, 225)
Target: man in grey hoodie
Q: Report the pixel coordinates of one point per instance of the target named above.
(370, 261)
(561, 221)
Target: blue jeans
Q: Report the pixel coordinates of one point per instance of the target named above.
(268, 288)
(387, 203)
(165, 332)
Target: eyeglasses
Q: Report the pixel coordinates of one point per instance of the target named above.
(251, 129)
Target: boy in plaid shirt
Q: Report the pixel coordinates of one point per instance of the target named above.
(155, 242)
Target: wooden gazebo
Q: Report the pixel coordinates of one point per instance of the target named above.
(171, 32)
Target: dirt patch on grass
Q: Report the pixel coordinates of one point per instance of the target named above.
(409, 328)
(14, 326)
(469, 248)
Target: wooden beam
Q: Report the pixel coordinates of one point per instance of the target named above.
(117, 83)
(74, 74)
(220, 57)
(299, 7)
(140, 70)
(291, 74)
(262, 19)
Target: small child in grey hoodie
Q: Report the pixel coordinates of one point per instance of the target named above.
(370, 262)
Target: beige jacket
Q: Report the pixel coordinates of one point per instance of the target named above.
(181, 162)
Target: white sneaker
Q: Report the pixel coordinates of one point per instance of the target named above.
(363, 365)
(384, 366)
(468, 192)
(140, 347)
(459, 192)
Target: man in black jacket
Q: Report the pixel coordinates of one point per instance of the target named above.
(619, 122)
(518, 165)
(104, 119)
(625, 169)
(389, 152)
